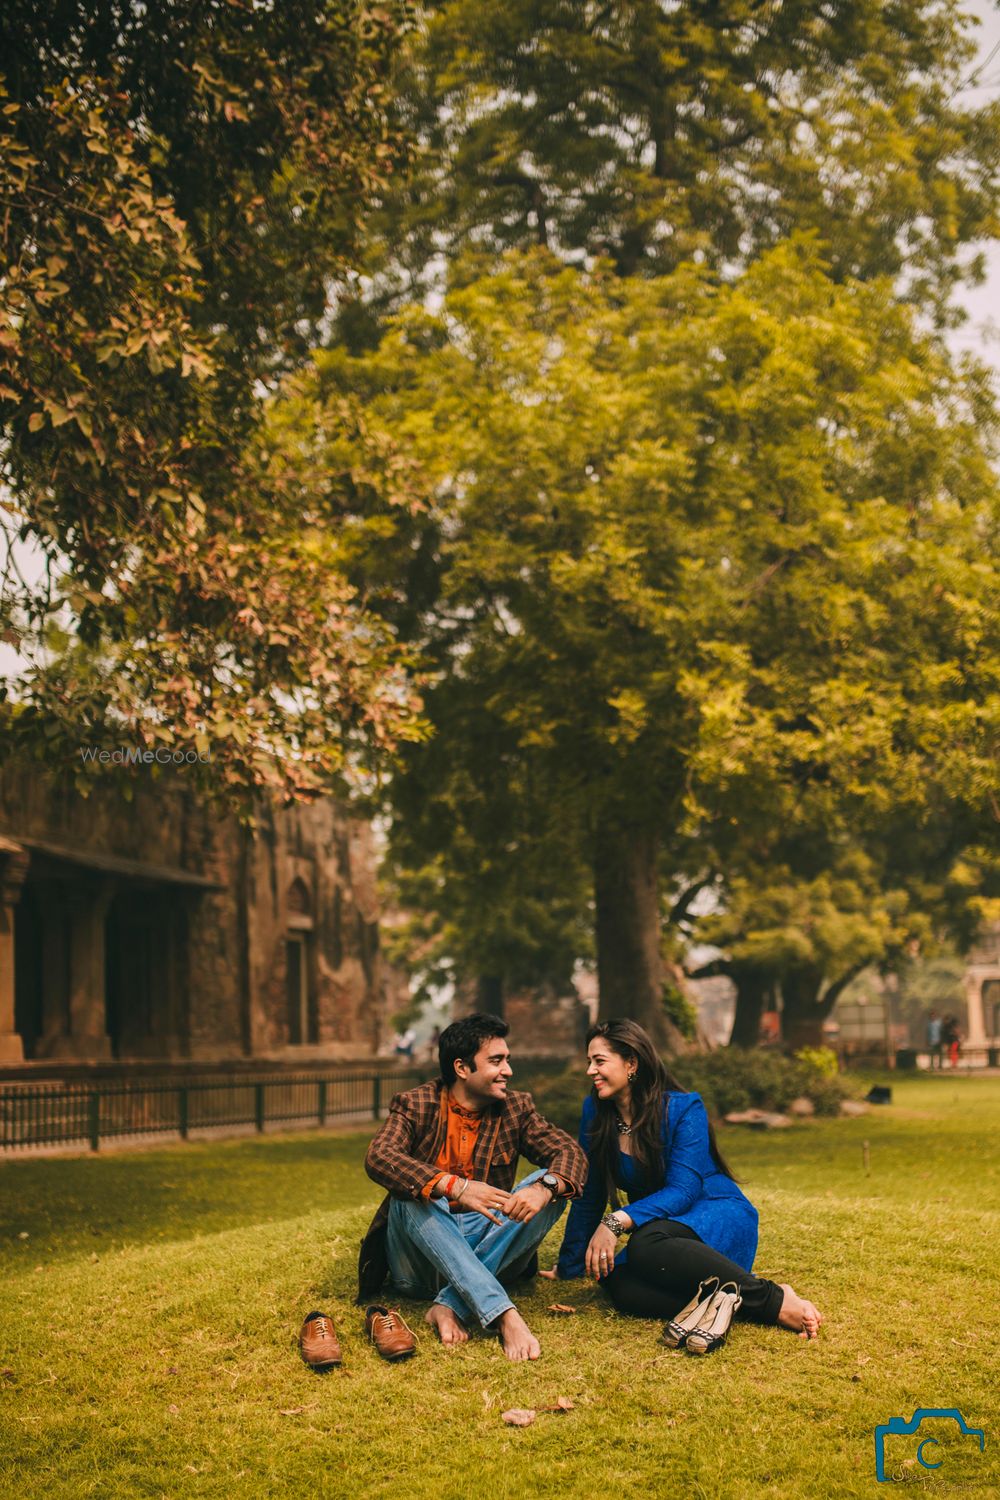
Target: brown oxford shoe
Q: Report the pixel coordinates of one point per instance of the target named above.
(319, 1343)
(390, 1335)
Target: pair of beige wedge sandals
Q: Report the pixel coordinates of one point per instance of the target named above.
(702, 1326)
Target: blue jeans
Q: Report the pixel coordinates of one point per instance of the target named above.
(456, 1258)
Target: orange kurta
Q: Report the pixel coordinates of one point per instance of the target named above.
(461, 1135)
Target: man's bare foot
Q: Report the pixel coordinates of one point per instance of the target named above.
(516, 1337)
(800, 1316)
(450, 1330)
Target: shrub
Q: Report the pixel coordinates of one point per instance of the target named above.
(823, 1059)
(734, 1079)
(681, 1011)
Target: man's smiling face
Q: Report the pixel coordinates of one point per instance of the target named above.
(487, 1081)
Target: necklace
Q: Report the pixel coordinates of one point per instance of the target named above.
(621, 1127)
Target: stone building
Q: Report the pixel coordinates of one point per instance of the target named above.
(155, 929)
(982, 989)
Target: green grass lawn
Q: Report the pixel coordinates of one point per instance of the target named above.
(148, 1327)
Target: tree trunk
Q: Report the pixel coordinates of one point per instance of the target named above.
(627, 901)
(805, 1008)
(489, 994)
(752, 989)
(803, 1011)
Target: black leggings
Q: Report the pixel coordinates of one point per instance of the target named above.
(666, 1262)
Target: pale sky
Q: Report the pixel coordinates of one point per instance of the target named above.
(983, 303)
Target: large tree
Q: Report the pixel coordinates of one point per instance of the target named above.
(654, 133)
(182, 186)
(687, 541)
(653, 136)
(796, 940)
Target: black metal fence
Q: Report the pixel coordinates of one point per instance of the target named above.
(81, 1114)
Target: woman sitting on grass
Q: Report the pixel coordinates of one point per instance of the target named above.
(692, 1233)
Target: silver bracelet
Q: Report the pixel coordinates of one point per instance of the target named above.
(611, 1221)
(458, 1196)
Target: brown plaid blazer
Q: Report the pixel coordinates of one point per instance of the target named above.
(403, 1151)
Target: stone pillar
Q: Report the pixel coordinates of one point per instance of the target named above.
(974, 1004)
(88, 1038)
(13, 868)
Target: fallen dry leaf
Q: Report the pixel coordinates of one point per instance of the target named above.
(173, 1408)
(290, 1411)
(563, 1403)
(561, 1307)
(518, 1417)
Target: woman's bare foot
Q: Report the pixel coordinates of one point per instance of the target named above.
(516, 1337)
(450, 1330)
(796, 1313)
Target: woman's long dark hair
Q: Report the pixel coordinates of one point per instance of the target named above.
(650, 1082)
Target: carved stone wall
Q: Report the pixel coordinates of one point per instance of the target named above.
(153, 928)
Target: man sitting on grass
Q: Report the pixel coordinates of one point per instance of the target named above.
(454, 1227)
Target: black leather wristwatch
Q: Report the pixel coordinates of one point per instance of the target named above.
(552, 1183)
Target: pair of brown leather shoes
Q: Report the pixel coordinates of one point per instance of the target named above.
(385, 1327)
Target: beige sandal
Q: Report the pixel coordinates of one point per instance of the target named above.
(710, 1333)
(677, 1330)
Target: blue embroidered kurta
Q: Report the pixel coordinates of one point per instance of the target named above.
(694, 1191)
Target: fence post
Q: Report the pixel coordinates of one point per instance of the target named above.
(182, 1112)
(94, 1120)
(258, 1101)
(321, 1106)
(376, 1096)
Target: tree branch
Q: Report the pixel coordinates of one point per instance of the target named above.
(833, 992)
(712, 970)
(680, 908)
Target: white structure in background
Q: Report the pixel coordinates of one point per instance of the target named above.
(982, 989)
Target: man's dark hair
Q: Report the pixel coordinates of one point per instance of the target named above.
(462, 1040)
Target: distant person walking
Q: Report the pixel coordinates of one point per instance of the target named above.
(934, 1047)
(950, 1037)
(404, 1044)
